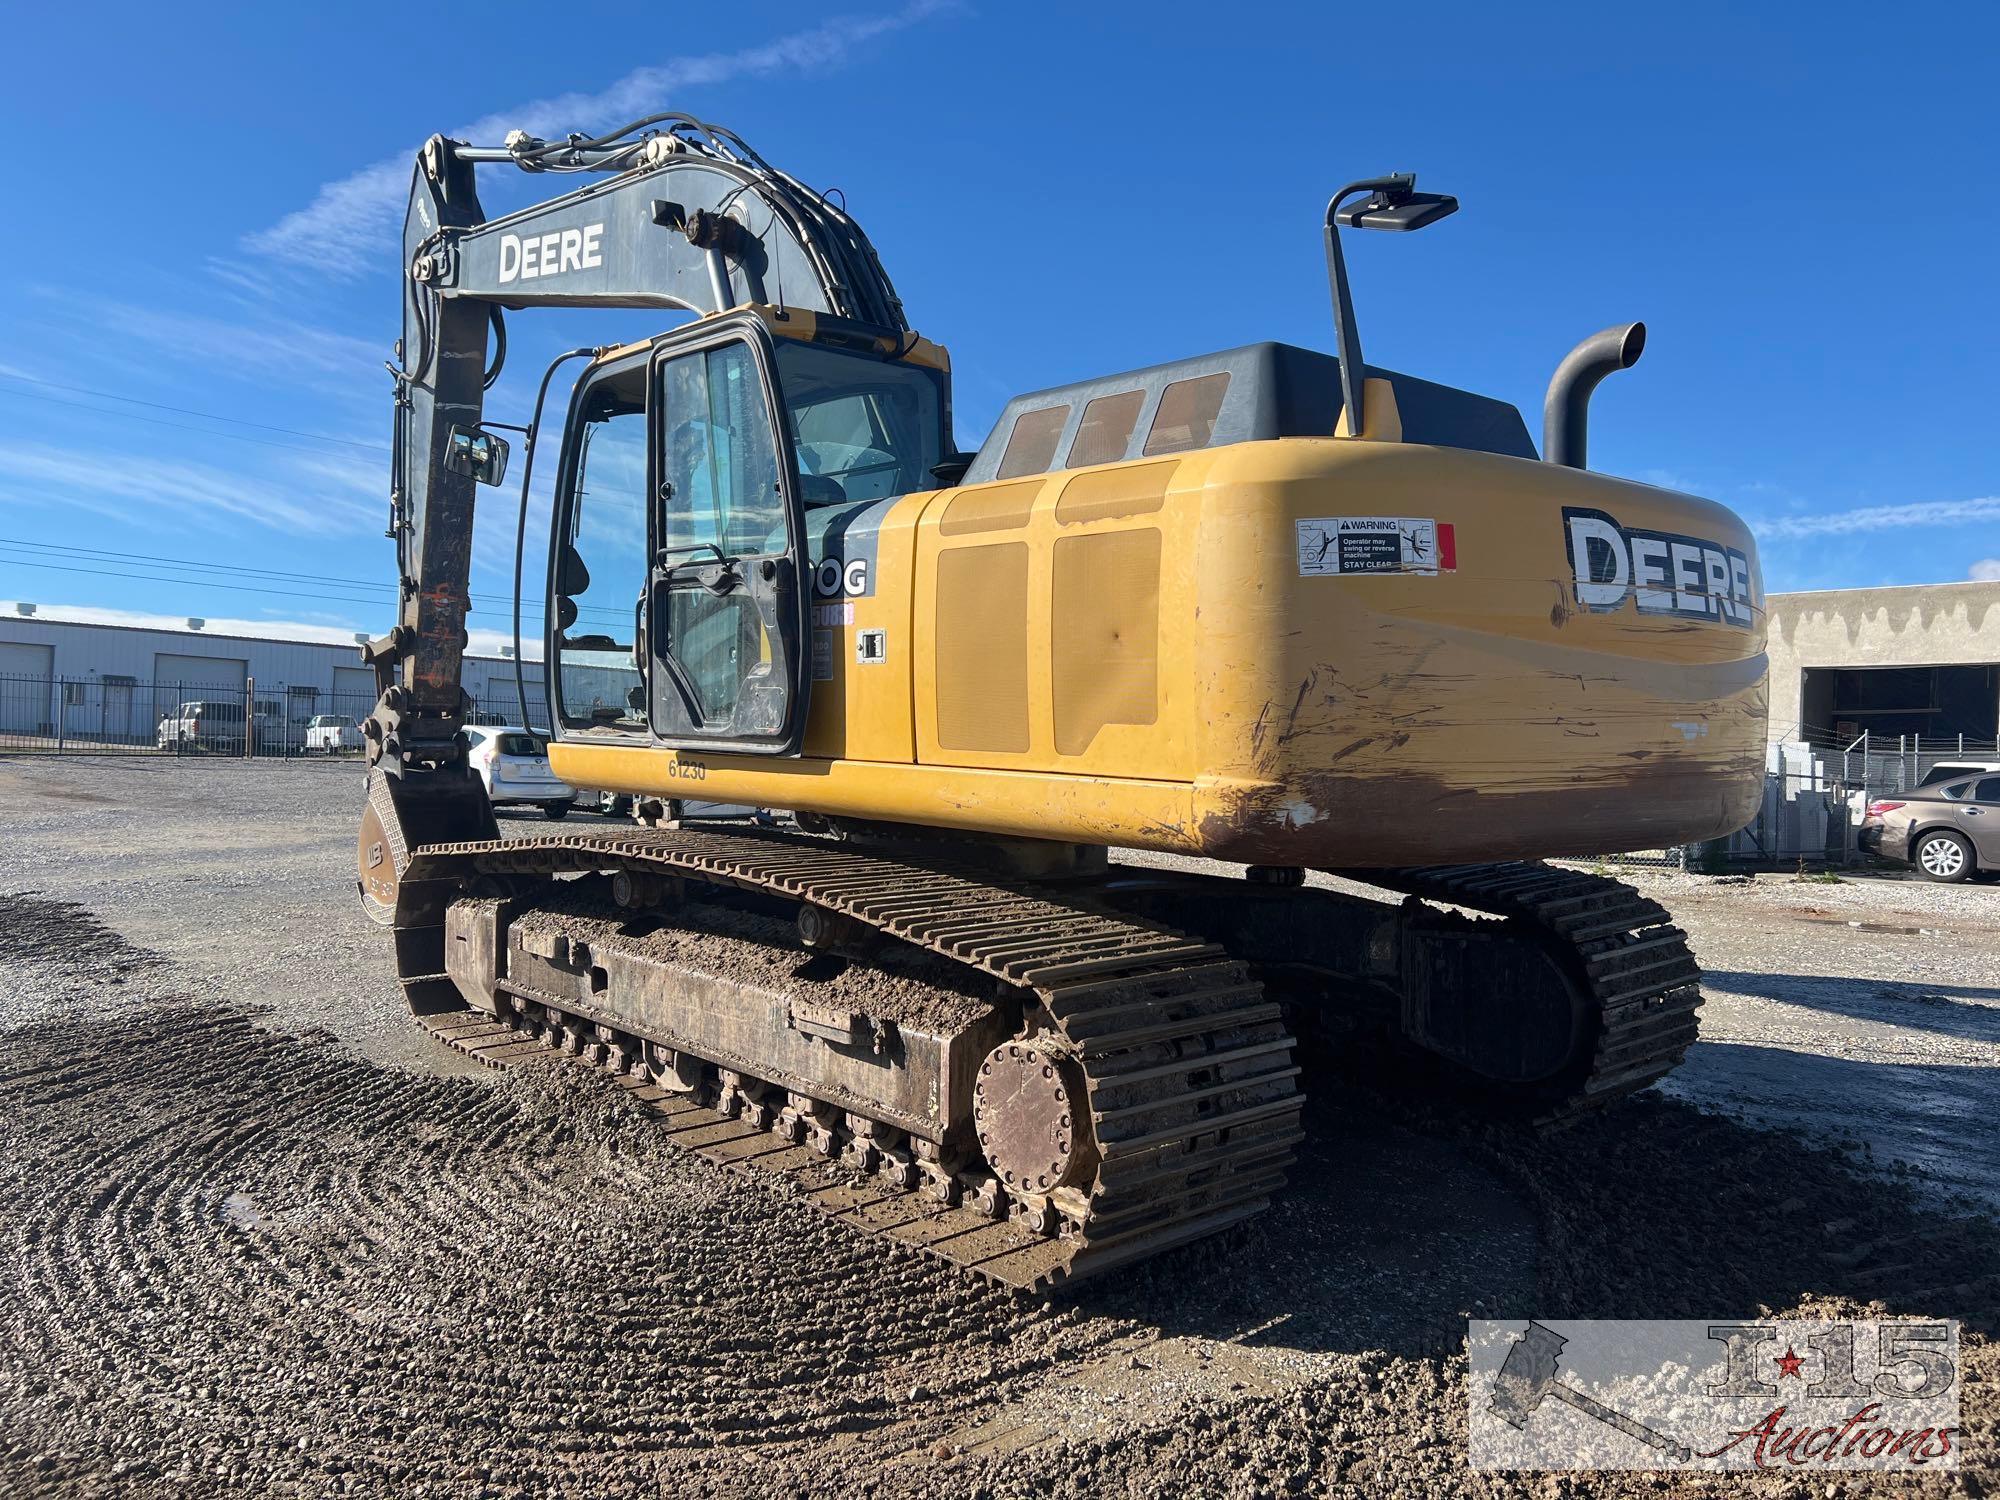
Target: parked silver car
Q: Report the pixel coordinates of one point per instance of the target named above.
(1957, 770)
(620, 805)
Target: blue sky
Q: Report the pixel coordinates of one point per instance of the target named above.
(1797, 199)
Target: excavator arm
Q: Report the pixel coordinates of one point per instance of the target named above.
(689, 218)
(677, 214)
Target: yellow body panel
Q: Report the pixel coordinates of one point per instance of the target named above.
(863, 713)
(1052, 644)
(1476, 714)
(1133, 655)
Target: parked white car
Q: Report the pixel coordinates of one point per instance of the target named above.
(330, 734)
(513, 765)
(1952, 770)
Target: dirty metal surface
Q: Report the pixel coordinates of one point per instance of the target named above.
(1189, 1089)
(1006, 1252)
(1635, 964)
(1022, 1108)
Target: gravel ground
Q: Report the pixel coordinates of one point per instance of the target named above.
(260, 1236)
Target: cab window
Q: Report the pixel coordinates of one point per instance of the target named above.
(863, 428)
(601, 565)
(720, 501)
(719, 476)
(1031, 446)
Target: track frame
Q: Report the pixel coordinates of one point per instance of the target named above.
(1191, 1088)
(1191, 1091)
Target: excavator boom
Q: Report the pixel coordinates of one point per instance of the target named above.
(672, 227)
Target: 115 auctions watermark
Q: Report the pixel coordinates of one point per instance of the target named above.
(1779, 1396)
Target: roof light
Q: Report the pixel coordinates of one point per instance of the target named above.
(1393, 203)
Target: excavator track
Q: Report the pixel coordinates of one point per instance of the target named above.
(1189, 1086)
(1633, 963)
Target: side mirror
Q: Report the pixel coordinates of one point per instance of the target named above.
(951, 468)
(476, 452)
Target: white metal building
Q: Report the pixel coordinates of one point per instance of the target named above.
(113, 682)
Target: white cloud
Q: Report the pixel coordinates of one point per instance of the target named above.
(242, 275)
(1985, 571)
(1881, 518)
(351, 223)
(1669, 479)
(278, 346)
(317, 498)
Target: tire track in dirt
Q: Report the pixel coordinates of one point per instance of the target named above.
(235, 1259)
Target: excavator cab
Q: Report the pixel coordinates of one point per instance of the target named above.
(679, 579)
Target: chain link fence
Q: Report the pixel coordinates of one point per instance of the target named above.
(1642, 859)
(1844, 774)
(112, 715)
(1817, 787)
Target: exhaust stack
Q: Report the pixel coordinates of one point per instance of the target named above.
(1566, 412)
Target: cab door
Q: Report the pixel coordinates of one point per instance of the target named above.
(725, 596)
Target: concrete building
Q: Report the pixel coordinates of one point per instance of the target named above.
(1894, 663)
(113, 683)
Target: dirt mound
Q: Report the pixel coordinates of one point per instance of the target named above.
(241, 1261)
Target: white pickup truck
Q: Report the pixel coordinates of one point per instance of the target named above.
(331, 734)
(215, 725)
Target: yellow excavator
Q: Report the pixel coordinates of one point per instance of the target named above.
(1267, 606)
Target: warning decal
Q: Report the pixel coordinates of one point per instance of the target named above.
(1375, 544)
